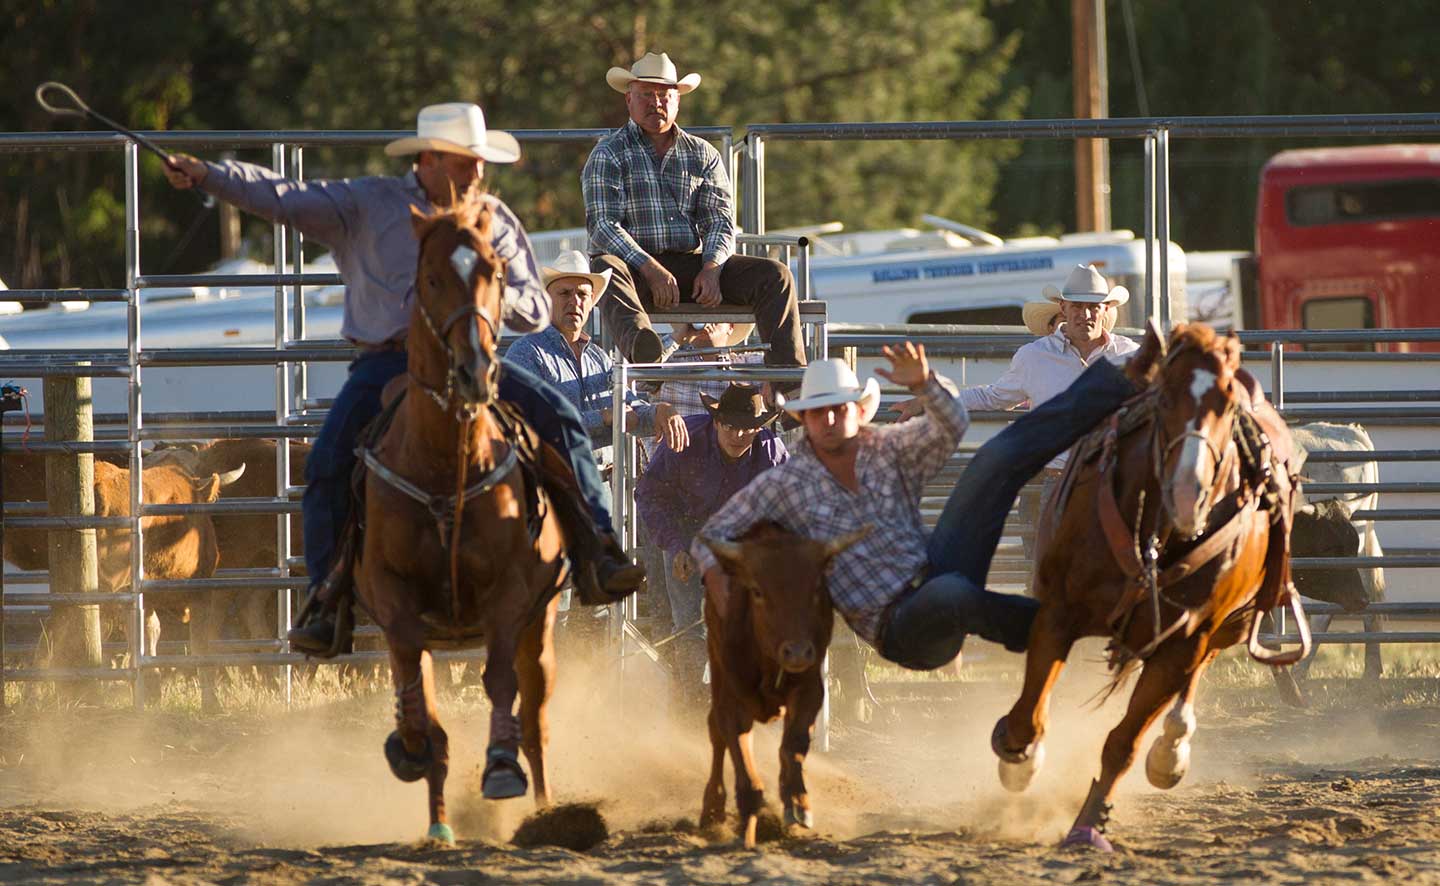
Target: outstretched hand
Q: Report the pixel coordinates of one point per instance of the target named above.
(908, 366)
(184, 171)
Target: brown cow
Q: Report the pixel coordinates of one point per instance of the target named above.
(769, 629)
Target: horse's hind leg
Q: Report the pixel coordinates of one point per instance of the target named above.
(1162, 678)
(502, 778)
(419, 747)
(1169, 757)
(535, 666)
(1018, 739)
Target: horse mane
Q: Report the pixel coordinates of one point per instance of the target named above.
(473, 212)
(1192, 335)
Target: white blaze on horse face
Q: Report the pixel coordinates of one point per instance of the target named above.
(1191, 477)
(463, 260)
(1201, 380)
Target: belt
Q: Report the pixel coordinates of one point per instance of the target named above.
(384, 347)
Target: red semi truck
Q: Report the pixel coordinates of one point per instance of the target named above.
(1347, 238)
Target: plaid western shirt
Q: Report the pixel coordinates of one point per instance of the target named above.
(892, 466)
(637, 206)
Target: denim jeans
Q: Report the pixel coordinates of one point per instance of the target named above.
(926, 628)
(326, 505)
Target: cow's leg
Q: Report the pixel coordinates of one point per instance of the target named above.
(800, 711)
(749, 789)
(1019, 736)
(712, 805)
(1169, 757)
(205, 621)
(502, 778)
(535, 665)
(1374, 581)
(1163, 677)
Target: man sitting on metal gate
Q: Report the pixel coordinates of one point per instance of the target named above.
(913, 597)
(659, 212)
(1049, 364)
(366, 223)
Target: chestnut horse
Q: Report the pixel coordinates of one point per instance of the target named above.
(1168, 534)
(453, 555)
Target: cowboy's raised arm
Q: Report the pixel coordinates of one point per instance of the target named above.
(601, 183)
(713, 217)
(527, 304)
(322, 210)
(923, 445)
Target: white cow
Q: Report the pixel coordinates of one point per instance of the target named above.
(1328, 437)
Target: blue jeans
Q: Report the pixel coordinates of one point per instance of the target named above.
(326, 505)
(926, 628)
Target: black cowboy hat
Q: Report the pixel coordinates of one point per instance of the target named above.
(740, 406)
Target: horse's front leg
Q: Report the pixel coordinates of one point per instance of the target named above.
(801, 709)
(1169, 757)
(502, 778)
(419, 747)
(1019, 736)
(535, 664)
(1163, 677)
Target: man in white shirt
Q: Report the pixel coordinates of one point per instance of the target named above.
(1051, 363)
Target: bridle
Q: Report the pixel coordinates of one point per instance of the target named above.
(1161, 452)
(463, 260)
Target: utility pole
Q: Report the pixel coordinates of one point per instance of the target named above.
(1091, 89)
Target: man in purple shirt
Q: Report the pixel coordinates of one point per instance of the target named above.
(728, 447)
(366, 223)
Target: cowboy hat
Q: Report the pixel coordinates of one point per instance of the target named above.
(457, 128)
(654, 67)
(1037, 316)
(1085, 284)
(740, 406)
(832, 382)
(574, 264)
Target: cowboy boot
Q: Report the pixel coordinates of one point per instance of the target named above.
(325, 627)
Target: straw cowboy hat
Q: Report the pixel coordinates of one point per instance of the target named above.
(574, 264)
(832, 382)
(1037, 316)
(655, 67)
(457, 128)
(1085, 284)
(740, 406)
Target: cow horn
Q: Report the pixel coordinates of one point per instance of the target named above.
(728, 551)
(835, 545)
(231, 476)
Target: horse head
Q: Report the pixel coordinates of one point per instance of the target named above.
(459, 285)
(1198, 396)
(783, 576)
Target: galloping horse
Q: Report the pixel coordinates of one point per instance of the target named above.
(1169, 534)
(454, 554)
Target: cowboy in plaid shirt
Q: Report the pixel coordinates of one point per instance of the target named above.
(914, 598)
(658, 209)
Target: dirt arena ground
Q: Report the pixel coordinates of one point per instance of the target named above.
(1347, 790)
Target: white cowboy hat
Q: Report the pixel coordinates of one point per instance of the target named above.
(457, 128)
(832, 382)
(574, 264)
(1085, 284)
(1037, 314)
(654, 67)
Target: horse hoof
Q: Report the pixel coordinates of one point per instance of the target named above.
(441, 833)
(1016, 768)
(1088, 838)
(503, 778)
(1165, 767)
(799, 816)
(406, 767)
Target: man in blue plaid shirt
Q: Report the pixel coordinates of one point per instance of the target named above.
(658, 209)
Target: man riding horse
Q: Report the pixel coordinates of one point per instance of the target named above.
(366, 222)
(913, 597)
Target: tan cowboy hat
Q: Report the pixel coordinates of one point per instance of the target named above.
(457, 128)
(574, 264)
(654, 67)
(832, 382)
(1037, 314)
(740, 406)
(1085, 284)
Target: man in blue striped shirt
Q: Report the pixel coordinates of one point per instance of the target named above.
(658, 209)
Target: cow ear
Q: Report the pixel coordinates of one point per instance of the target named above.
(729, 553)
(835, 545)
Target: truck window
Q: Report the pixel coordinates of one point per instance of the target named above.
(1362, 201)
(1007, 315)
(1356, 312)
